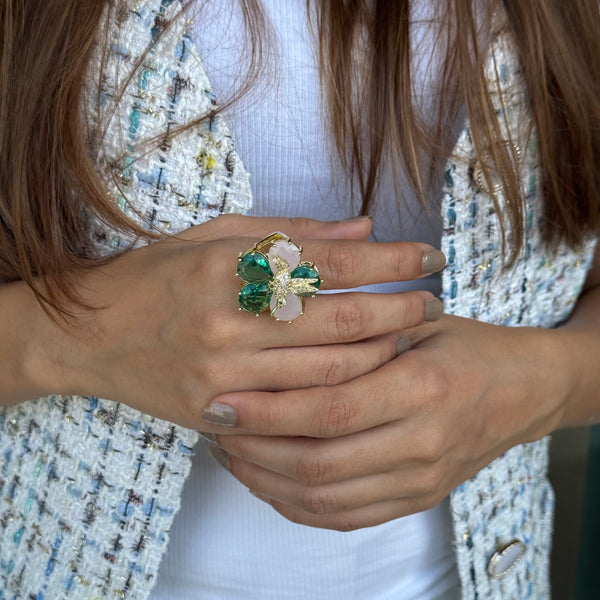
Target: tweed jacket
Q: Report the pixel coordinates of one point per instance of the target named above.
(89, 487)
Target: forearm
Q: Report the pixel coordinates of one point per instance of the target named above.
(580, 340)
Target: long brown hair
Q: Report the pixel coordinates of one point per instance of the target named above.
(47, 178)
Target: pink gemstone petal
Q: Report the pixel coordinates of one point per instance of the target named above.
(289, 311)
(286, 251)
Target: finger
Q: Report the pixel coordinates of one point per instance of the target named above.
(390, 393)
(293, 368)
(348, 472)
(351, 520)
(348, 495)
(345, 264)
(228, 226)
(347, 317)
(318, 500)
(362, 502)
(316, 462)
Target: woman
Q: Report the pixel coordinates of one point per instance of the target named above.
(357, 413)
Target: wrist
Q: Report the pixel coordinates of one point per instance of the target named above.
(546, 379)
(29, 349)
(579, 360)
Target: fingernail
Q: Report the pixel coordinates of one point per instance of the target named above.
(433, 261)
(220, 456)
(434, 309)
(402, 345)
(209, 437)
(220, 414)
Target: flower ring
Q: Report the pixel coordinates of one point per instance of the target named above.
(276, 279)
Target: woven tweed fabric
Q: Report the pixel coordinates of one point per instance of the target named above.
(89, 487)
(511, 498)
(193, 176)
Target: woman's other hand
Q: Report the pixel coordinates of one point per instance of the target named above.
(398, 439)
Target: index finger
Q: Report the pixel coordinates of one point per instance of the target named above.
(319, 412)
(345, 264)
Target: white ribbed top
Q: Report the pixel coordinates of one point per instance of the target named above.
(226, 544)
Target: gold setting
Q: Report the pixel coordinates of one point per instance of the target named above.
(287, 291)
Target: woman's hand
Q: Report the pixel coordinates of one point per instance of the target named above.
(397, 440)
(168, 336)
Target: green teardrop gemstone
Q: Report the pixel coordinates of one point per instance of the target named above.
(306, 272)
(255, 297)
(254, 268)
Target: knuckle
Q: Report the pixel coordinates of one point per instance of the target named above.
(336, 415)
(347, 322)
(215, 332)
(271, 417)
(432, 446)
(346, 524)
(342, 261)
(331, 370)
(315, 469)
(318, 502)
(434, 383)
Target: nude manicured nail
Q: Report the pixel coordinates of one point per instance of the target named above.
(220, 456)
(220, 414)
(433, 261)
(434, 309)
(402, 345)
(209, 437)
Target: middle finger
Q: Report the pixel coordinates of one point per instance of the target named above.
(347, 317)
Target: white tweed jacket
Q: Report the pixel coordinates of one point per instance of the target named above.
(89, 488)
